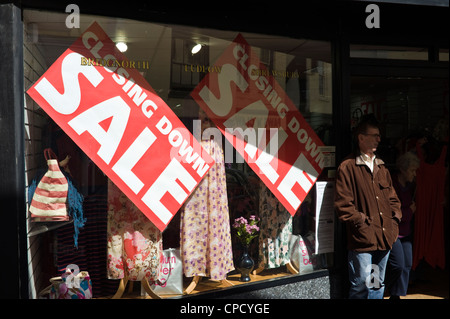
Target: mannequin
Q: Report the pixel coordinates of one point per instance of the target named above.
(275, 233)
(134, 243)
(205, 238)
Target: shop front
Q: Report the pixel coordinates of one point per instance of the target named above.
(198, 155)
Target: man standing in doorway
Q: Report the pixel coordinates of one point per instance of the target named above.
(366, 202)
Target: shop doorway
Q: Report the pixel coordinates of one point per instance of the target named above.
(407, 107)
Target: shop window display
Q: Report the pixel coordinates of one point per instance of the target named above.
(116, 234)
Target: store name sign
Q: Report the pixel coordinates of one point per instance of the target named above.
(119, 121)
(244, 103)
(115, 63)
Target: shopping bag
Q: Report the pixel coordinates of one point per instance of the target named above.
(69, 286)
(301, 251)
(170, 279)
(49, 201)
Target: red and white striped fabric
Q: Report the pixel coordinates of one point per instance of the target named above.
(50, 197)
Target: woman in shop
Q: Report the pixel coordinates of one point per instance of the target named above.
(400, 258)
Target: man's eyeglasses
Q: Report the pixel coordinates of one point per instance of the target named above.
(373, 135)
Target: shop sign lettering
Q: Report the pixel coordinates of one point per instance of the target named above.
(127, 130)
(244, 100)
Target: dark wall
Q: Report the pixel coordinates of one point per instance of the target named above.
(13, 275)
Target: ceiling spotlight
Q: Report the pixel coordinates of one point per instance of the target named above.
(196, 48)
(122, 46)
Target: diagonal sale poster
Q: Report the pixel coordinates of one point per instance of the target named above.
(258, 118)
(110, 111)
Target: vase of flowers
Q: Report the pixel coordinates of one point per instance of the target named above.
(246, 231)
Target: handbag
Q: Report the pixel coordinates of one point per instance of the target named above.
(170, 278)
(301, 251)
(69, 286)
(49, 201)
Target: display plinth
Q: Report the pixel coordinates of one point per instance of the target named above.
(289, 267)
(145, 284)
(196, 280)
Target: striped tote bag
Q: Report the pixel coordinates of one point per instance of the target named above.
(49, 202)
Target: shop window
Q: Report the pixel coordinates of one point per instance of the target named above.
(388, 52)
(163, 56)
(443, 55)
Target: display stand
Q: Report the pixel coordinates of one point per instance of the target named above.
(289, 267)
(196, 280)
(144, 283)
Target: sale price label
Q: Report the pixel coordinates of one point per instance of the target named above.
(118, 120)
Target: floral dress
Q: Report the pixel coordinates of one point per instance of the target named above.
(275, 231)
(134, 243)
(205, 237)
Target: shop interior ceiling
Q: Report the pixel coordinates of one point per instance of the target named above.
(49, 31)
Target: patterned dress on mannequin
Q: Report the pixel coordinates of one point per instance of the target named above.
(134, 243)
(205, 236)
(275, 231)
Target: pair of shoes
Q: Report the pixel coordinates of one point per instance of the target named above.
(394, 297)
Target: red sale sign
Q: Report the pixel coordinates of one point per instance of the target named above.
(105, 105)
(257, 117)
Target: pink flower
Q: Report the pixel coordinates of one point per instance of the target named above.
(246, 231)
(239, 221)
(251, 228)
